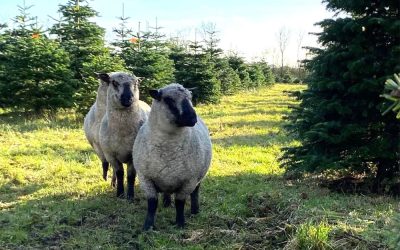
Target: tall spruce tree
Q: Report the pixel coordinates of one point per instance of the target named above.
(267, 72)
(34, 70)
(156, 68)
(146, 55)
(211, 41)
(339, 121)
(230, 80)
(84, 41)
(256, 75)
(239, 65)
(195, 69)
(124, 33)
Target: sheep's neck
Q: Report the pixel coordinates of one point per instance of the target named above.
(123, 118)
(171, 134)
(101, 100)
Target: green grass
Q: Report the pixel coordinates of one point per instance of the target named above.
(52, 193)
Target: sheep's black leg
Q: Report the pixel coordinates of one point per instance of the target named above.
(166, 200)
(180, 215)
(120, 182)
(194, 200)
(151, 213)
(113, 180)
(131, 182)
(105, 169)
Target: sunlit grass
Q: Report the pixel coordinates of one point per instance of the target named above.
(52, 193)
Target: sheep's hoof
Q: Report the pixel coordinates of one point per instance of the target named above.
(130, 198)
(194, 211)
(177, 225)
(120, 193)
(147, 227)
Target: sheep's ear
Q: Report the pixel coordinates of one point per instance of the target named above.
(156, 94)
(140, 79)
(104, 77)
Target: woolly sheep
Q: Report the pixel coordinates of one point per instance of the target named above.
(125, 114)
(92, 121)
(172, 152)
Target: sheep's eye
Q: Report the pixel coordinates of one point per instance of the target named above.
(114, 83)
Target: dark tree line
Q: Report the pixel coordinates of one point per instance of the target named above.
(50, 69)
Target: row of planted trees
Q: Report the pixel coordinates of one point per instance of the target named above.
(46, 70)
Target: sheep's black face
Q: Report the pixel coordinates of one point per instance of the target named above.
(183, 112)
(175, 105)
(126, 98)
(123, 89)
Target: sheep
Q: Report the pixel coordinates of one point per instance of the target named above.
(92, 121)
(124, 115)
(172, 152)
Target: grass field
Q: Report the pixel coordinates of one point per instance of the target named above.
(52, 194)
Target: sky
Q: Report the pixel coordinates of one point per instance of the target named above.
(248, 27)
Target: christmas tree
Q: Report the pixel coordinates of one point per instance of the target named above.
(339, 122)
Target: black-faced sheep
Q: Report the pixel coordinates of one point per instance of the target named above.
(125, 114)
(172, 151)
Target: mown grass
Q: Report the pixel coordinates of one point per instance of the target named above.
(52, 194)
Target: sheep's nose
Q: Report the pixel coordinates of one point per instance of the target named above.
(126, 103)
(127, 96)
(192, 121)
(188, 117)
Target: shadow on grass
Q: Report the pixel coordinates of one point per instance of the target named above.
(25, 122)
(249, 211)
(100, 219)
(12, 190)
(66, 154)
(56, 149)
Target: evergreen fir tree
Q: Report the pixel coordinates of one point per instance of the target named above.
(256, 75)
(339, 121)
(123, 32)
(146, 56)
(24, 21)
(34, 70)
(211, 41)
(267, 72)
(84, 41)
(230, 80)
(238, 64)
(194, 69)
(156, 68)
(287, 77)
